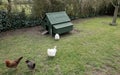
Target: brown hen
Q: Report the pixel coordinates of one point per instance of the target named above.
(13, 63)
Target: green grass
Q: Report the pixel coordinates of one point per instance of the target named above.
(93, 48)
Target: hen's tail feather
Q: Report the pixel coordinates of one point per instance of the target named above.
(34, 66)
(18, 60)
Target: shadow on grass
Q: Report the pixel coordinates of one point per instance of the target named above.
(50, 58)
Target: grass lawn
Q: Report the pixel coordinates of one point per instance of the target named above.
(92, 48)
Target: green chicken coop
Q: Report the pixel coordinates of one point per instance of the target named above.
(57, 22)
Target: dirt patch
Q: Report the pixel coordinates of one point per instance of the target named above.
(30, 30)
(76, 31)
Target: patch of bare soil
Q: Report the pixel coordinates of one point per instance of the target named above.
(30, 30)
(76, 30)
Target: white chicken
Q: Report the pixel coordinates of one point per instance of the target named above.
(57, 36)
(52, 52)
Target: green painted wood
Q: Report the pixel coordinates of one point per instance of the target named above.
(58, 17)
(62, 30)
(57, 22)
(62, 25)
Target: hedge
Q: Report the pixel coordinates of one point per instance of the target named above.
(16, 20)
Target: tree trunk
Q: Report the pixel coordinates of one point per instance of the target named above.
(115, 16)
(9, 6)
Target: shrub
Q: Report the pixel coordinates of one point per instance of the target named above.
(17, 20)
(74, 8)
